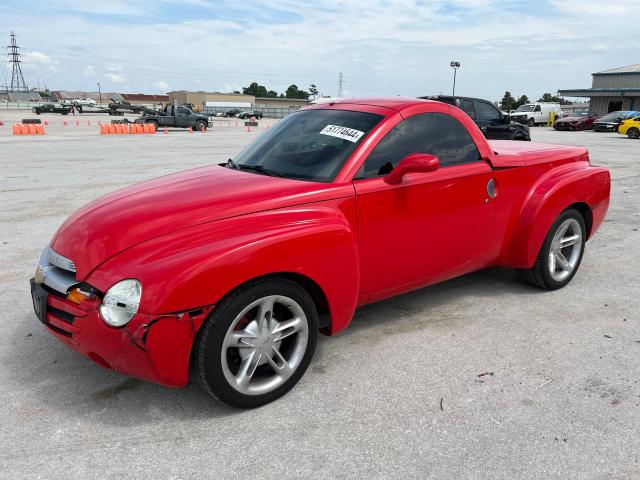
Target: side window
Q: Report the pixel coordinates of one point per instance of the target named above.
(467, 107)
(433, 133)
(537, 108)
(183, 111)
(487, 112)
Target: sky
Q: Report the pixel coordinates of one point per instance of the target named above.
(382, 47)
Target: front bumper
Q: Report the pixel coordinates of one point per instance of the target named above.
(153, 348)
(605, 127)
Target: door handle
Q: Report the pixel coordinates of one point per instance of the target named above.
(491, 188)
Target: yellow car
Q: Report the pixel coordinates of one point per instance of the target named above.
(630, 127)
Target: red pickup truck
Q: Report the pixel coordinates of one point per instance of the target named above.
(233, 269)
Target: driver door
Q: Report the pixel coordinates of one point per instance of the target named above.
(431, 226)
(183, 117)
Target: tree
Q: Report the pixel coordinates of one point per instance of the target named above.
(547, 97)
(508, 103)
(294, 92)
(272, 94)
(256, 90)
(313, 90)
(522, 100)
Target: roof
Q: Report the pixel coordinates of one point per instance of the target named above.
(395, 103)
(284, 99)
(600, 92)
(22, 96)
(69, 95)
(628, 69)
(143, 97)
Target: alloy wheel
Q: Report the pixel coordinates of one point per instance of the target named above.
(565, 250)
(264, 345)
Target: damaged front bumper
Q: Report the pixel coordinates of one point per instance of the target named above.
(156, 348)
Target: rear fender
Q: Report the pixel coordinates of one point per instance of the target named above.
(198, 266)
(554, 192)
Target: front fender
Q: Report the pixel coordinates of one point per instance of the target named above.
(559, 188)
(197, 266)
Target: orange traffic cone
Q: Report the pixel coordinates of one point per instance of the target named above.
(166, 130)
(46, 122)
(65, 123)
(77, 123)
(248, 129)
(190, 130)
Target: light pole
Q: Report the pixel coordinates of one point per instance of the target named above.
(455, 66)
(99, 95)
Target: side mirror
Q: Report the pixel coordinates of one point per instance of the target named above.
(413, 163)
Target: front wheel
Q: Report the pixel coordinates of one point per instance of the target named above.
(201, 126)
(257, 343)
(561, 253)
(633, 133)
(531, 122)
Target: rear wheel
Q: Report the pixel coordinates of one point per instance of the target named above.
(633, 132)
(561, 253)
(257, 343)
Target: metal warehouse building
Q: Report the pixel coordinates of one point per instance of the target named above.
(611, 90)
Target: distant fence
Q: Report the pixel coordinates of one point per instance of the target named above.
(266, 112)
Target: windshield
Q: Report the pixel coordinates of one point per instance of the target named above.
(612, 117)
(525, 108)
(308, 145)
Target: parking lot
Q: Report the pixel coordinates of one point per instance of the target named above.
(481, 377)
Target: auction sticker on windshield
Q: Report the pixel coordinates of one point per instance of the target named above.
(342, 132)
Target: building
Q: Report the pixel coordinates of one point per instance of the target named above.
(64, 96)
(214, 99)
(146, 100)
(611, 90)
(234, 100)
(290, 103)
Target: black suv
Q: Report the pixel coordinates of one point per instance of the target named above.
(494, 124)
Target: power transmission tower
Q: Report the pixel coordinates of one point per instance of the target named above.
(17, 79)
(340, 79)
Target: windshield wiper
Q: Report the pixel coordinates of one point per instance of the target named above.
(259, 169)
(231, 164)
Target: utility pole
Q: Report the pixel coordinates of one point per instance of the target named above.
(17, 79)
(340, 80)
(455, 66)
(99, 95)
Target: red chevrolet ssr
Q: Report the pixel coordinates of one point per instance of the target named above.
(230, 271)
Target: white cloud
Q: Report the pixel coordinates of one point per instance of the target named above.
(38, 60)
(161, 86)
(88, 71)
(114, 78)
(114, 67)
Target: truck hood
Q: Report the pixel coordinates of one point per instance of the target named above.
(127, 217)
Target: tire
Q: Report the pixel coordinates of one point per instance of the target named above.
(224, 357)
(531, 122)
(154, 123)
(201, 126)
(541, 275)
(633, 133)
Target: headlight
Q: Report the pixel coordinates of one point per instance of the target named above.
(121, 302)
